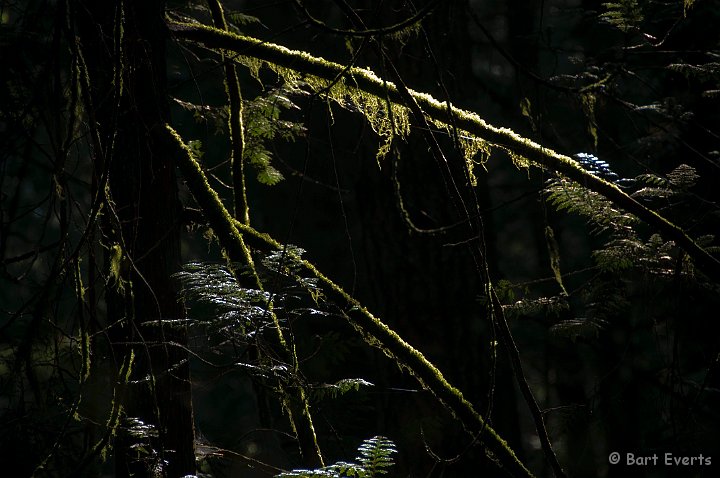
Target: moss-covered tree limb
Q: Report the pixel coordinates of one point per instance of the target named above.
(241, 208)
(517, 145)
(505, 333)
(299, 415)
(232, 241)
(230, 233)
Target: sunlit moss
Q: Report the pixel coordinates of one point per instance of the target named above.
(373, 330)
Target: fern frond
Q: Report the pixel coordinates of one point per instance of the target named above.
(374, 459)
(219, 298)
(707, 72)
(596, 166)
(140, 435)
(566, 195)
(262, 124)
(541, 306)
(617, 256)
(652, 193)
(704, 72)
(652, 180)
(678, 180)
(375, 455)
(214, 294)
(287, 263)
(683, 177)
(687, 5)
(341, 387)
(624, 14)
(655, 256)
(261, 119)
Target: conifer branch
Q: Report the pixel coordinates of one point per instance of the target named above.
(503, 138)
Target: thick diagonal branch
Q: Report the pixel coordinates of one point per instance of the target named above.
(505, 138)
(241, 208)
(230, 233)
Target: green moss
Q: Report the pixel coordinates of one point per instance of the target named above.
(117, 267)
(588, 101)
(374, 331)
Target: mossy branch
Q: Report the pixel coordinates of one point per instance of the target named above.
(234, 248)
(241, 208)
(436, 111)
(374, 331)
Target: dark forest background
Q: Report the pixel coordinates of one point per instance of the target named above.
(105, 371)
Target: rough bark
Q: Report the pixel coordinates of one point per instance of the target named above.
(127, 72)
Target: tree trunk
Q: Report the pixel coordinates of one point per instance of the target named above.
(141, 230)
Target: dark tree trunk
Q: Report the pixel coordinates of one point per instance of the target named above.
(141, 225)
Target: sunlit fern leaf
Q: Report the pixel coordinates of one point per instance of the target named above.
(262, 124)
(574, 329)
(196, 148)
(279, 372)
(214, 289)
(341, 387)
(704, 72)
(138, 429)
(375, 455)
(656, 108)
(683, 177)
(661, 256)
(652, 180)
(624, 14)
(374, 459)
(677, 181)
(619, 254)
(566, 195)
(269, 176)
(655, 256)
(687, 5)
(286, 261)
(708, 73)
(553, 306)
(650, 192)
(140, 436)
(505, 291)
(596, 166)
(337, 470)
